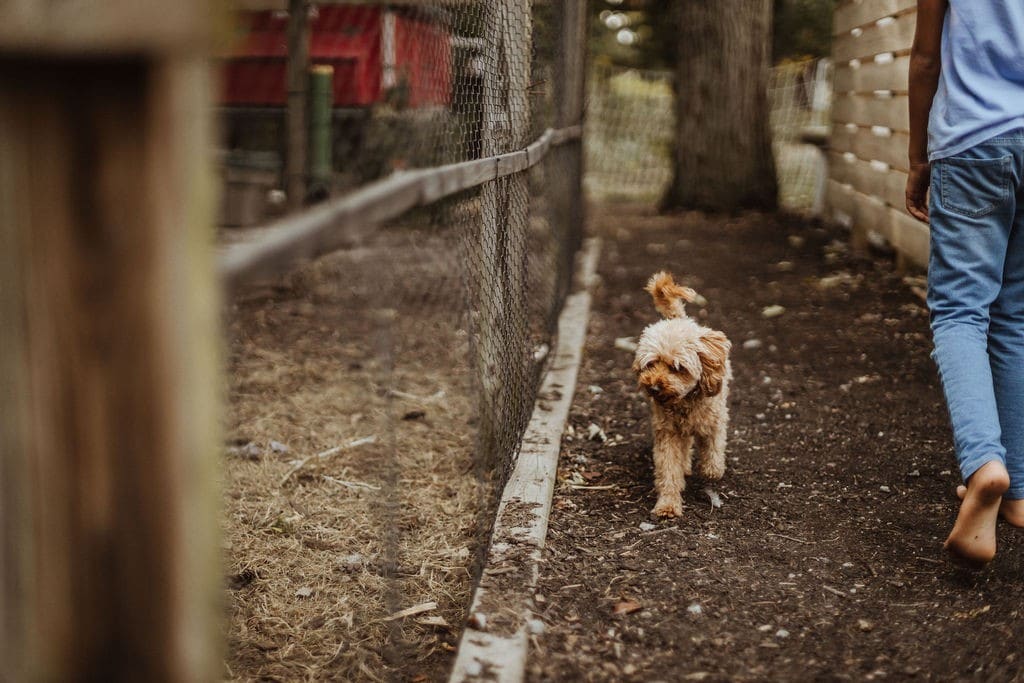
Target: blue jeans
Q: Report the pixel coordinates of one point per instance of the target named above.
(976, 301)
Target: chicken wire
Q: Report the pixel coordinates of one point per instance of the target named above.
(378, 396)
(631, 122)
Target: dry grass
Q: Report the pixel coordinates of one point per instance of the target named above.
(320, 553)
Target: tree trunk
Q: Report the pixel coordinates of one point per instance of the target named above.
(723, 155)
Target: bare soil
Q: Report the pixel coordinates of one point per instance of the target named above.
(825, 561)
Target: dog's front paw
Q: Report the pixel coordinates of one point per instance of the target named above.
(710, 469)
(668, 507)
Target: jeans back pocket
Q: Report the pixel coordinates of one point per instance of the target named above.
(974, 187)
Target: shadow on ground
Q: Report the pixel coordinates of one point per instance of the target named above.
(824, 562)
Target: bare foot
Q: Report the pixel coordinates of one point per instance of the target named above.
(973, 539)
(1013, 512)
(1010, 510)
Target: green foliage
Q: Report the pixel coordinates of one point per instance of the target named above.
(803, 28)
(652, 22)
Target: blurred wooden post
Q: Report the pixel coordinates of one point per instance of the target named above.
(109, 561)
(567, 163)
(298, 83)
(500, 277)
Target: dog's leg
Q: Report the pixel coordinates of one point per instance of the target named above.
(711, 447)
(671, 452)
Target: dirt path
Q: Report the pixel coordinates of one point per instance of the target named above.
(824, 562)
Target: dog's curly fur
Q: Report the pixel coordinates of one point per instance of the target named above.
(684, 368)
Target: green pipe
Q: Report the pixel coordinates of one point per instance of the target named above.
(321, 102)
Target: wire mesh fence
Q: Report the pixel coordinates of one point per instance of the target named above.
(378, 395)
(631, 119)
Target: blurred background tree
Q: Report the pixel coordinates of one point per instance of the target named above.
(803, 29)
(641, 34)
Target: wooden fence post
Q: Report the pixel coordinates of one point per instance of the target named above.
(500, 277)
(298, 83)
(566, 180)
(109, 562)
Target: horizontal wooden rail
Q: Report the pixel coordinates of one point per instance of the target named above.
(344, 221)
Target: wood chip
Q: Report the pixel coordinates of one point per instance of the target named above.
(412, 611)
(624, 607)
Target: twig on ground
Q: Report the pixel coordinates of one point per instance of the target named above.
(835, 591)
(351, 484)
(792, 538)
(326, 454)
(412, 611)
(436, 396)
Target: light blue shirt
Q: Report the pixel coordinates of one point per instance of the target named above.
(981, 86)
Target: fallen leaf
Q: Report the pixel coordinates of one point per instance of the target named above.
(624, 607)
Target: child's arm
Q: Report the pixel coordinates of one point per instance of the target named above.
(925, 64)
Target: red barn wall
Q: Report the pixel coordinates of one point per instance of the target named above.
(349, 38)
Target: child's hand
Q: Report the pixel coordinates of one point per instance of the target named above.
(917, 190)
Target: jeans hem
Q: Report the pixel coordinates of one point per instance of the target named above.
(1014, 494)
(967, 469)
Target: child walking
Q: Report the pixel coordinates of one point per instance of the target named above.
(967, 181)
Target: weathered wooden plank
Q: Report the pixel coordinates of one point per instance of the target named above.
(910, 237)
(107, 26)
(870, 110)
(891, 150)
(850, 15)
(530, 487)
(888, 185)
(344, 221)
(894, 37)
(905, 234)
(869, 76)
(109, 565)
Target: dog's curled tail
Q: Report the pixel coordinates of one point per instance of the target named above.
(669, 298)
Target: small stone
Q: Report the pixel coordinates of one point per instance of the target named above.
(304, 592)
(695, 609)
(885, 489)
(752, 344)
(782, 633)
(594, 389)
(764, 628)
(535, 626)
(647, 526)
(773, 311)
(865, 625)
(278, 447)
(915, 473)
(595, 433)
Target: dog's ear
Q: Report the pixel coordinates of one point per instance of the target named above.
(637, 365)
(713, 352)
